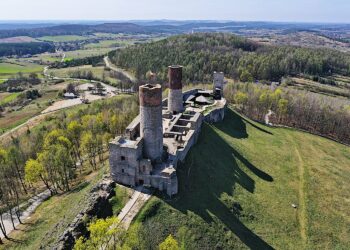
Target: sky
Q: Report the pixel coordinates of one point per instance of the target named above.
(335, 11)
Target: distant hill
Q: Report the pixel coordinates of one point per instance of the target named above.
(80, 29)
(155, 26)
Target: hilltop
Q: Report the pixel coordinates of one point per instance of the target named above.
(237, 187)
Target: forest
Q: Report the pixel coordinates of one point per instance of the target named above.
(54, 154)
(21, 49)
(322, 115)
(239, 58)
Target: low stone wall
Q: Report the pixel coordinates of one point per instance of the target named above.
(215, 115)
(98, 206)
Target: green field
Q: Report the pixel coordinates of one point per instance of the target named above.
(17, 117)
(109, 44)
(97, 72)
(10, 67)
(87, 53)
(65, 38)
(238, 185)
(9, 98)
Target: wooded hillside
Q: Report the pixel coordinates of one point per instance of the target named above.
(203, 53)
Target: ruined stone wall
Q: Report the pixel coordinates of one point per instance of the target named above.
(97, 206)
(215, 115)
(125, 171)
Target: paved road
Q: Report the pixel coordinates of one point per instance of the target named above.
(134, 205)
(33, 204)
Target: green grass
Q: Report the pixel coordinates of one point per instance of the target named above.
(87, 53)
(121, 197)
(64, 38)
(237, 186)
(97, 72)
(9, 68)
(2, 81)
(15, 118)
(109, 44)
(9, 98)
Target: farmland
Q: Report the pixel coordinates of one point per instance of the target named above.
(10, 67)
(64, 38)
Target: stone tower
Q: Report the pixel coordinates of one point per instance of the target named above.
(219, 80)
(175, 101)
(151, 127)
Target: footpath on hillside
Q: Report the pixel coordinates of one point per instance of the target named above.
(30, 205)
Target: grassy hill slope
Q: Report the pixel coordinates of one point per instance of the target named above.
(238, 185)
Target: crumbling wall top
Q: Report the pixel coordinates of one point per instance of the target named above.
(150, 95)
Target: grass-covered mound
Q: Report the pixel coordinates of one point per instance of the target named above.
(238, 185)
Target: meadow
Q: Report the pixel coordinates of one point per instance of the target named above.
(75, 54)
(10, 67)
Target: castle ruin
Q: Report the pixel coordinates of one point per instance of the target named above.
(164, 131)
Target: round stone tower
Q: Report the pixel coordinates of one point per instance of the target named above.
(151, 127)
(175, 101)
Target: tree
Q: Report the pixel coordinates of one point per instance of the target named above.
(169, 244)
(103, 234)
(34, 171)
(89, 145)
(74, 130)
(246, 76)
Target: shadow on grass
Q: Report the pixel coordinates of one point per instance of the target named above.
(212, 169)
(14, 240)
(233, 125)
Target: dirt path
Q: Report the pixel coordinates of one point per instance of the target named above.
(116, 69)
(133, 206)
(302, 193)
(32, 204)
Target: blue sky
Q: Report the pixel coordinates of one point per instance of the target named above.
(245, 10)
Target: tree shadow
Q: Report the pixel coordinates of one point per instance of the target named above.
(14, 240)
(212, 169)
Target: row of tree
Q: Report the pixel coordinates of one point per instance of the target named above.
(19, 82)
(312, 112)
(55, 153)
(92, 60)
(21, 49)
(203, 53)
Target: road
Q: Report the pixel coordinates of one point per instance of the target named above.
(116, 69)
(59, 104)
(31, 205)
(134, 205)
